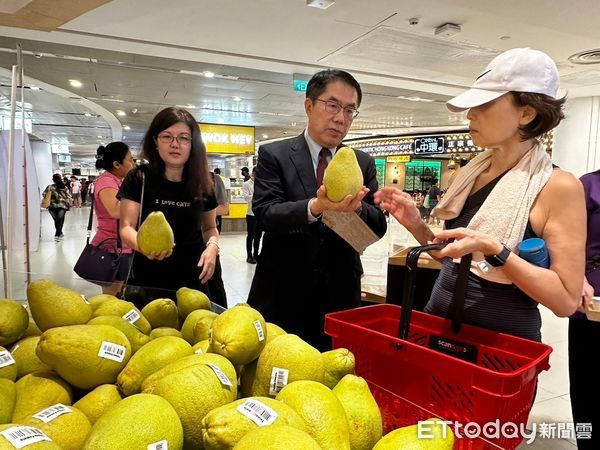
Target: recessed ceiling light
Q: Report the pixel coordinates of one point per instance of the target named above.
(99, 137)
(265, 136)
(209, 74)
(87, 115)
(34, 88)
(221, 120)
(237, 99)
(191, 106)
(75, 83)
(121, 113)
(126, 127)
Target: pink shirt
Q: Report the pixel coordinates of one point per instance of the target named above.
(107, 226)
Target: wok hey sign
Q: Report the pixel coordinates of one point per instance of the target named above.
(228, 139)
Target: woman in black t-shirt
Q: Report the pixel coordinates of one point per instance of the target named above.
(177, 182)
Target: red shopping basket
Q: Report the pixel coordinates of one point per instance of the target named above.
(413, 379)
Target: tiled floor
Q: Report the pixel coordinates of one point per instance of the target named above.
(57, 259)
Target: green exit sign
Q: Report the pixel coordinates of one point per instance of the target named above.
(300, 85)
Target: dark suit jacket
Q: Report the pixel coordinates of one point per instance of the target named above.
(304, 270)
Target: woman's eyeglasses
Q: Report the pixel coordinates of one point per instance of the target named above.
(182, 139)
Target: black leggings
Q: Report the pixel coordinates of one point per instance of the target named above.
(58, 215)
(585, 397)
(253, 237)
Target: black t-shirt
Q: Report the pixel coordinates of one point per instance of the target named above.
(434, 192)
(184, 216)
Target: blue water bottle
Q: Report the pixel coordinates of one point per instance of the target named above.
(534, 250)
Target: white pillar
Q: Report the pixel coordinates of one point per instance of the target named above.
(576, 145)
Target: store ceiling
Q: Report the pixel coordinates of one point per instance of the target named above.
(139, 56)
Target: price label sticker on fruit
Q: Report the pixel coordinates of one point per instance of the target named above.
(131, 316)
(351, 228)
(279, 380)
(109, 350)
(49, 414)
(258, 412)
(160, 445)
(220, 375)
(259, 330)
(6, 358)
(22, 436)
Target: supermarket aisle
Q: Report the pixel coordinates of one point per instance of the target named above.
(552, 402)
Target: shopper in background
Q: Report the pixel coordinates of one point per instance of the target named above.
(60, 202)
(215, 284)
(305, 269)
(254, 233)
(116, 160)
(76, 191)
(84, 191)
(177, 182)
(245, 173)
(584, 334)
(221, 197)
(508, 193)
(435, 195)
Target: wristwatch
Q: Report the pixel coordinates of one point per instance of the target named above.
(500, 259)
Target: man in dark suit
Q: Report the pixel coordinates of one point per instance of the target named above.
(305, 270)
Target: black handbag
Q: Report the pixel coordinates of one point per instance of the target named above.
(96, 264)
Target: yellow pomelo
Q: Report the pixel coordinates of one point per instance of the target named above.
(194, 392)
(24, 354)
(13, 321)
(249, 370)
(362, 412)
(277, 437)
(286, 353)
(97, 300)
(407, 438)
(67, 430)
(337, 364)
(239, 334)
(9, 369)
(155, 234)
(222, 363)
(136, 338)
(343, 175)
(8, 396)
(189, 300)
(16, 429)
(321, 411)
(52, 305)
(32, 329)
(126, 310)
(85, 355)
(223, 427)
(197, 324)
(152, 357)
(98, 401)
(37, 391)
(135, 423)
(164, 331)
(161, 312)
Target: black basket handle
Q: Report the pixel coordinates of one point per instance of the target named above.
(412, 260)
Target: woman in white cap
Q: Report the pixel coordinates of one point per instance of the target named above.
(508, 193)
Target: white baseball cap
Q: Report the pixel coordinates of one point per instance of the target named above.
(518, 70)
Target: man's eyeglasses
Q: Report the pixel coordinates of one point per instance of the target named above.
(334, 108)
(182, 139)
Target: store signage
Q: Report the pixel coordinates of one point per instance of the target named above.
(300, 85)
(58, 149)
(398, 159)
(429, 145)
(459, 143)
(228, 139)
(396, 147)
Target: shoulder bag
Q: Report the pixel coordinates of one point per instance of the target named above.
(95, 264)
